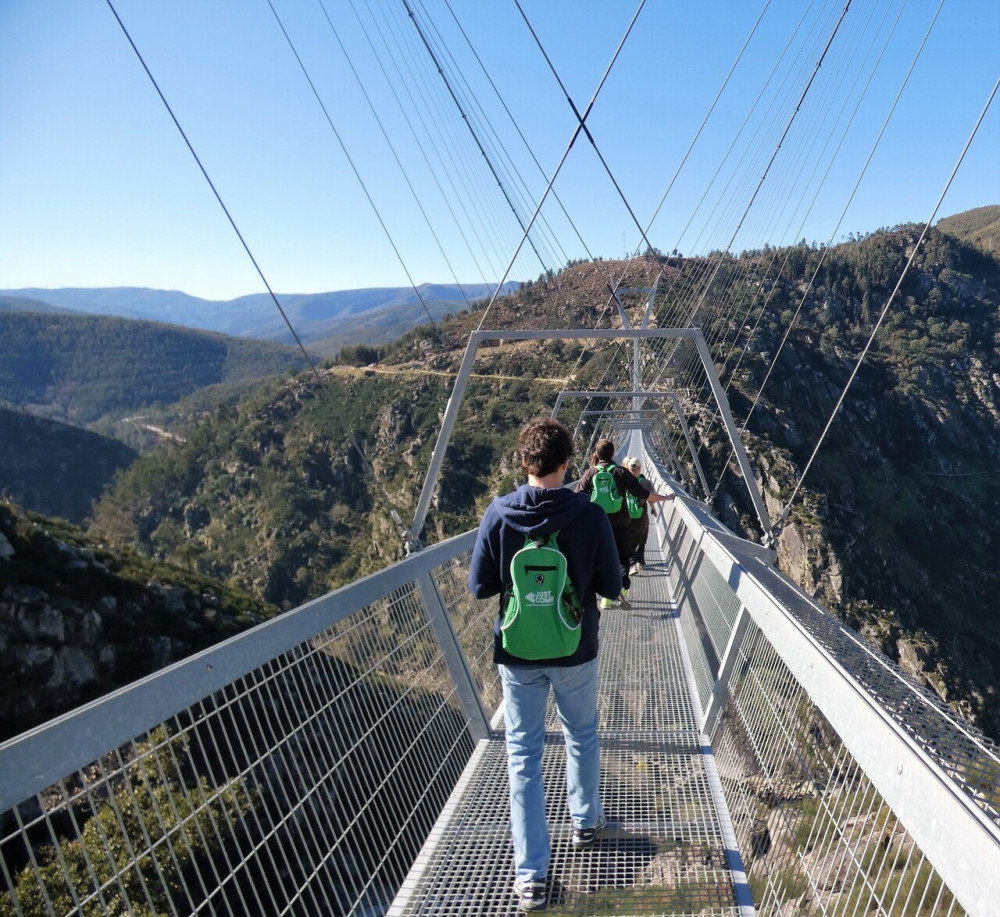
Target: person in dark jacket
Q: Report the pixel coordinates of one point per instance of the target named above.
(640, 525)
(621, 522)
(540, 507)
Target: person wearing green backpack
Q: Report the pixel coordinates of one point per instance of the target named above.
(639, 512)
(543, 517)
(606, 483)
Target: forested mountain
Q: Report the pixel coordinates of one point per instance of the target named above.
(53, 468)
(326, 321)
(979, 227)
(896, 528)
(291, 494)
(80, 368)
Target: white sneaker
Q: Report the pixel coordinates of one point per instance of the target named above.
(634, 569)
(530, 894)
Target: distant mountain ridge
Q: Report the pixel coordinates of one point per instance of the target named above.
(373, 315)
(24, 304)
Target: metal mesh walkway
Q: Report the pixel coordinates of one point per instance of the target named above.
(663, 850)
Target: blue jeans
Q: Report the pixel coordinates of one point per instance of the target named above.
(525, 695)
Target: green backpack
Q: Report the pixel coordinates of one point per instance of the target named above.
(636, 507)
(605, 489)
(541, 610)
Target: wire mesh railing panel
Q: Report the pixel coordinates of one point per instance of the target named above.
(816, 836)
(717, 606)
(970, 759)
(472, 620)
(304, 786)
(684, 553)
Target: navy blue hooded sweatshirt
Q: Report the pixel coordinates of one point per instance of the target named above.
(585, 537)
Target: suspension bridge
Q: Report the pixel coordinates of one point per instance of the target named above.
(347, 757)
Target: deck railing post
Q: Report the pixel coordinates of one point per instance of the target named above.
(720, 691)
(444, 437)
(465, 686)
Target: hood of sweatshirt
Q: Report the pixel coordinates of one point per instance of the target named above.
(540, 510)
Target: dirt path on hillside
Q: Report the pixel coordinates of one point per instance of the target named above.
(390, 370)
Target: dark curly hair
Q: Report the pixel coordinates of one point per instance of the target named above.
(543, 444)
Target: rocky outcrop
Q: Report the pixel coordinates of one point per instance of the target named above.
(78, 620)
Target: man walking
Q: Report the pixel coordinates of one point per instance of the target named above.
(538, 508)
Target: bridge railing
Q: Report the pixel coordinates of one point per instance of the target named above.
(296, 768)
(852, 789)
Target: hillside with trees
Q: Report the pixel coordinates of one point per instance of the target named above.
(78, 619)
(80, 368)
(54, 468)
(979, 227)
(291, 496)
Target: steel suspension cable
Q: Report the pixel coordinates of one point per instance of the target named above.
(489, 163)
(435, 138)
(433, 172)
(885, 309)
(576, 114)
(215, 191)
(700, 301)
(788, 126)
(757, 101)
(843, 213)
(350, 159)
(562, 160)
(643, 232)
(315, 370)
(395, 156)
(488, 220)
(708, 115)
(517, 128)
(491, 138)
(807, 212)
(751, 266)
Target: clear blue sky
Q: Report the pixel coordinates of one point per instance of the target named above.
(97, 187)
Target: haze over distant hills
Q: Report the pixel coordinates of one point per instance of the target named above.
(327, 321)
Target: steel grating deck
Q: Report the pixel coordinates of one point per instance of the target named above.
(663, 850)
